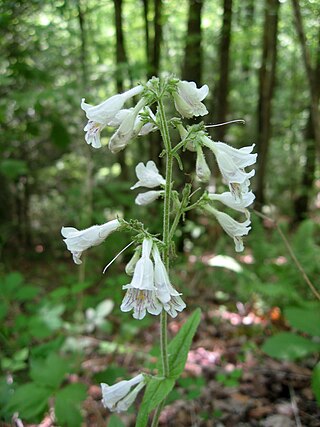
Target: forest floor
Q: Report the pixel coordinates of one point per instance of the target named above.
(238, 386)
(228, 381)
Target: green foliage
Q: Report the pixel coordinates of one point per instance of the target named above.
(67, 405)
(157, 389)
(304, 319)
(289, 346)
(30, 400)
(316, 382)
(115, 421)
(17, 362)
(192, 387)
(230, 379)
(180, 345)
(49, 372)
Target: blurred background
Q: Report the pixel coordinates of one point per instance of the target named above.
(61, 328)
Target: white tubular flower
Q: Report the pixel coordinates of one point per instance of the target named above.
(175, 305)
(128, 128)
(232, 162)
(202, 169)
(101, 115)
(169, 297)
(148, 197)
(141, 292)
(92, 136)
(119, 397)
(232, 227)
(187, 99)
(239, 205)
(78, 241)
(148, 175)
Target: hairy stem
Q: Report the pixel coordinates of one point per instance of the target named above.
(166, 240)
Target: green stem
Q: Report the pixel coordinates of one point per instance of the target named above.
(166, 240)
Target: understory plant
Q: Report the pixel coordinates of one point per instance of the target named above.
(150, 289)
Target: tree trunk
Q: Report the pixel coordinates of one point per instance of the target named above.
(192, 66)
(153, 42)
(153, 51)
(122, 65)
(266, 90)
(147, 35)
(302, 201)
(312, 79)
(121, 55)
(221, 98)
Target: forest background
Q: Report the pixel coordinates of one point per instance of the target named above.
(261, 61)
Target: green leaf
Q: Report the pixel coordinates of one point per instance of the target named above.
(49, 372)
(180, 345)
(304, 319)
(30, 400)
(315, 382)
(26, 293)
(289, 346)
(68, 403)
(156, 391)
(115, 421)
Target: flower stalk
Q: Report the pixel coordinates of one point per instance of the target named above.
(150, 290)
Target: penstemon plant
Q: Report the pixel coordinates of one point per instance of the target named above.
(150, 289)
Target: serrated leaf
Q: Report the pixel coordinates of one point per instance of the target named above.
(30, 400)
(49, 372)
(156, 391)
(289, 346)
(315, 382)
(304, 319)
(180, 345)
(68, 403)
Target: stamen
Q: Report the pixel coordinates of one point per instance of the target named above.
(107, 266)
(241, 121)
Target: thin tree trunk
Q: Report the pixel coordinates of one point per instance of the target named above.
(121, 55)
(88, 184)
(153, 49)
(153, 42)
(122, 65)
(247, 27)
(266, 90)
(221, 98)
(192, 66)
(157, 41)
(147, 35)
(312, 79)
(302, 201)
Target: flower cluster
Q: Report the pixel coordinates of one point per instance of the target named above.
(127, 122)
(150, 289)
(232, 163)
